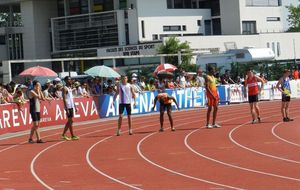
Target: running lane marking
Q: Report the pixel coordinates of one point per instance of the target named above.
(283, 139)
(255, 151)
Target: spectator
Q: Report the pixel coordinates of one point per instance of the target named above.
(262, 76)
(226, 79)
(2, 99)
(136, 88)
(46, 91)
(78, 90)
(295, 74)
(58, 91)
(97, 88)
(151, 85)
(161, 85)
(19, 99)
(181, 80)
(86, 90)
(200, 78)
(142, 83)
(7, 94)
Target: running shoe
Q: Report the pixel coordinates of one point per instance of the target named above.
(254, 121)
(118, 132)
(216, 126)
(40, 141)
(289, 119)
(173, 129)
(285, 119)
(258, 119)
(66, 138)
(75, 138)
(130, 132)
(161, 130)
(30, 141)
(209, 126)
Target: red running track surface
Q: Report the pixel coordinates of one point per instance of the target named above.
(239, 155)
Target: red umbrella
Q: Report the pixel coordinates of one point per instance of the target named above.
(38, 71)
(165, 67)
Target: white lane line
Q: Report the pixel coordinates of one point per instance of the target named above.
(33, 161)
(283, 139)
(231, 165)
(46, 149)
(103, 140)
(96, 125)
(255, 151)
(175, 172)
(178, 173)
(32, 170)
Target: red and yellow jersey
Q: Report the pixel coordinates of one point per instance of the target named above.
(212, 85)
(165, 97)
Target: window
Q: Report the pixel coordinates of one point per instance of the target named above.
(183, 27)
(273, 19)
(268, 45)
(154, 37)
(143, 28)
(207, 24)
(273, 47)
(199, 22)
(171, 28)
(249, 27)
(263, 3)
(2, 40)
(278, 49)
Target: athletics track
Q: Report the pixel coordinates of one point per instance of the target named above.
(239, 155)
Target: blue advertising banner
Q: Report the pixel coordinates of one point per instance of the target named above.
(186, 98)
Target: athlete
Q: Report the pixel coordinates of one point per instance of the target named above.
(251, 82)
(35, 96)
(165, 102)
(212, 97)
(284, 87)
(69, 108)
(126, 94)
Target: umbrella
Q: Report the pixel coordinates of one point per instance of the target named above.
(102, 71)
(38, 71)
(165, 74)
(165, 67)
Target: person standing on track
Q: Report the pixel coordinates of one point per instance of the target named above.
(165, 102)
(69, 108)
(35, 96)
(126, 94)
(212, 97)
(251, 82)
(284, 87)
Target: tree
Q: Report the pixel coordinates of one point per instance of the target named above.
(172, 46)
(294, 18)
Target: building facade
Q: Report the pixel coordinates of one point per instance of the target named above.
(35, 29)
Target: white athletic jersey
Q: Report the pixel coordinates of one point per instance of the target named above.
(125, 94)
(69, 98)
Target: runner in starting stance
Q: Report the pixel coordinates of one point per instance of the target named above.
(165, 101)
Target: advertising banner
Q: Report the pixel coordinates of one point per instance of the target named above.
(52, 113)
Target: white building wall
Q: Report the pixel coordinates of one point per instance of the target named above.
(133, 26)
(230, 17)
(260, 14)
(156, 15)
(284, 47)
(35, 15)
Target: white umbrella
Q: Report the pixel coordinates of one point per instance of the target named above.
(102, 71)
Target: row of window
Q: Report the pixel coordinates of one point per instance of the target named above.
(265, 3)
(75, 7)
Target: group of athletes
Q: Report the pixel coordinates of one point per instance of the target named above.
(127, 95)
(252, 88)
